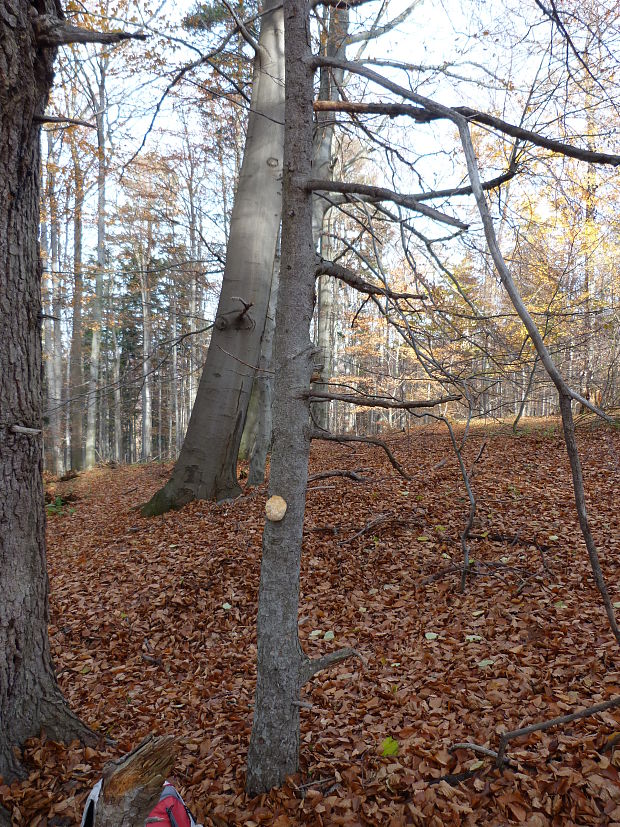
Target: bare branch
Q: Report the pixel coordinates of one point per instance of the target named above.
(247, 36)
(51, 31)
(324, 475)
(314, 665)
(499, 756)
(330, 268)
(317, 434)
(61, 119)
(384, 194)
(427, 111)
(380, 401)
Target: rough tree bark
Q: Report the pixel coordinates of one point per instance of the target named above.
(207, 465)
(282, 666)
(29, 695)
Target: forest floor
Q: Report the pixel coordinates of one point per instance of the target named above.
(153, 630)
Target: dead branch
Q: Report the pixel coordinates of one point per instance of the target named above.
(313, 665)
(316, 434)
(423, 115)
(380, 518)
(61, 119)
(51, 31)
(499, 756)
(132, 784)
(380, 401)
(324, 475)
(330, 268)
(384, 194)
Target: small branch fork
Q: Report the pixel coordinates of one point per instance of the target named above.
(500, 755)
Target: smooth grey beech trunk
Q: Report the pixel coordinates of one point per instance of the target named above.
(98, 102)
(264, 388)
(207, 465)
(29, 695)
(282, 667)
(330, 84)
(76, 388)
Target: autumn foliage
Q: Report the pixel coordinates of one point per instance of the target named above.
(153, 630)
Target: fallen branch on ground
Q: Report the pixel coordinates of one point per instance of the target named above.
(499, 756)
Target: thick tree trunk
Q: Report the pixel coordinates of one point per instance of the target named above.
(207, 465)
(29, 695)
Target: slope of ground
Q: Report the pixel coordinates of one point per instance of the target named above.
(152, 627)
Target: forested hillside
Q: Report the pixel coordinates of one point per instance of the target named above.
(310, 319)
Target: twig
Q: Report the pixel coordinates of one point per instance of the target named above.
(323, 475)
(314, 665)
(380, 519)
(499, 756)
(316, 434)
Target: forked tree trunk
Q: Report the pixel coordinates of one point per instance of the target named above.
(207, 465)
(29, 695)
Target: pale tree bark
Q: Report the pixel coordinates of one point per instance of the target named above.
(147, 376)
(29, 695)
(264, 388)
(116, 377)
(99, 104)
(282, 667)
(76, 388)
(331, 82)
(52, 344)
(206, 467)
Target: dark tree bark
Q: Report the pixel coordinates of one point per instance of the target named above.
(29, 695)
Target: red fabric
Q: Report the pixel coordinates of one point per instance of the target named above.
(169, 804)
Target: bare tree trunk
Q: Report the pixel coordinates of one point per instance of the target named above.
(282, 667)
(147, 378)
(29, 695)
(330, 84)
(264, 383)
(116, 377)
(206, 467)
(91, 415)
(76, 388)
